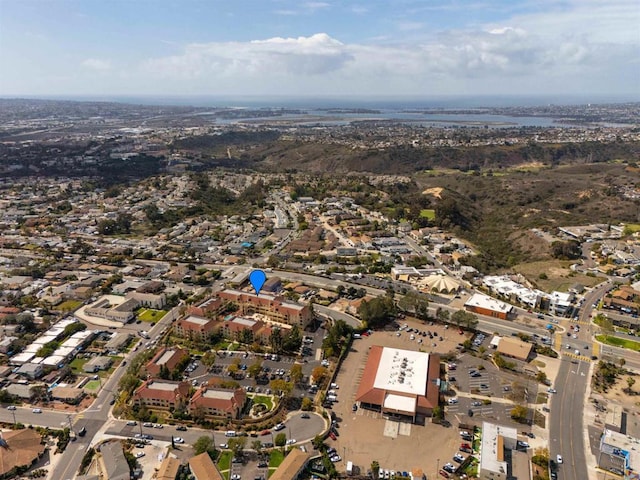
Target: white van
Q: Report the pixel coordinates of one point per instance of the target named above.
(230, 433)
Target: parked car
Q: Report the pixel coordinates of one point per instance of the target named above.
(37, 410)
(11, 407)
(181, 428)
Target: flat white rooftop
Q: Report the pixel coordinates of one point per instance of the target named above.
(402, 371)
(165, 357)
(219, 394)
(491, 454)
(400, 403)
(489, 303)
(197, 320)
(247, 322)
(165, 386)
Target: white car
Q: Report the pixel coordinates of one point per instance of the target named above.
(452, 401)
(559, 458)
(11, 407)
(291, 441)
(132, 423)
(37, 410)
(140, 454)
(552, 390)
(178, 440)
(224, 446)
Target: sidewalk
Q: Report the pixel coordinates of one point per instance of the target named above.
(589, 417)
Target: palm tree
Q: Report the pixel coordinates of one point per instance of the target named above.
(630, 382)
(375, 469)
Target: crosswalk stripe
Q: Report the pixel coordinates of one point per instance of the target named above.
(578, 357)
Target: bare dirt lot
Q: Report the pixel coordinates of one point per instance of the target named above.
(366, 436)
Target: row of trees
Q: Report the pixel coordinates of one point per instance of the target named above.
(380, 311)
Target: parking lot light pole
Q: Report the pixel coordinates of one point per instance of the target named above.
(437, 466)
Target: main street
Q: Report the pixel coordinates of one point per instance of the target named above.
(565, 419)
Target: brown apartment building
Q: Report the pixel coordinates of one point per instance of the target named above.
(276, 308)
(159, 394)
(196, 327)
(218, 402)
(169, 357)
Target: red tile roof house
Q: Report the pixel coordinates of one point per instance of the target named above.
(218, 402)
(171, 357)
(162, 394)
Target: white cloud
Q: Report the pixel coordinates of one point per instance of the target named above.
(97, 64)
(585, 46)
(316, 5)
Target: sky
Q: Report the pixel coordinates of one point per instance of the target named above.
(319, 47)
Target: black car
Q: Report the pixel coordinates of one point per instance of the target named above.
(449, 469)
(82, 432)
(181, 428)
(305, 415)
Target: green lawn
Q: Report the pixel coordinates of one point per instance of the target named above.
(619, 342)
(77, 364)
(150, 315)
(224, 462)
(69, 305)
(92, 385)
(630, 228)
(276, 458)
(428, 213)
(263, 399)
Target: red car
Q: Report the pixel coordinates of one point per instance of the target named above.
(465, 445)
(265, 432)
(444, 474)
(332, 436)
(460, 332)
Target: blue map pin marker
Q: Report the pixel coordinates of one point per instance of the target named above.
(257, 279)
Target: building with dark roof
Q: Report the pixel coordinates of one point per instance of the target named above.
(113, 462)
(400, 382)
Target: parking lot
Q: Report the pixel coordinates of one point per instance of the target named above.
(365, 436)
(272, 369)
(482, 392)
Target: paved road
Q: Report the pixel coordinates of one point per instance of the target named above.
(565, 420)
(301, 429)
(93, 418)
(336, 315)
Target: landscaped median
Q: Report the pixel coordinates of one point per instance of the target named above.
(619, 342)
